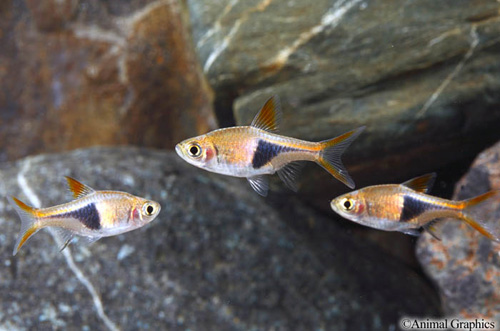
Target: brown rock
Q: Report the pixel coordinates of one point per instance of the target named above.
(466, 265)
(78, 74)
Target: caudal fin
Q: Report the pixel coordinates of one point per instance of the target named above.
(476, 218)
(331, 152)
(28, 225)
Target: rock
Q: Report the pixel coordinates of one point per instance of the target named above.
(422, 76)
(218, 257)
(82, 73)
(466, 265)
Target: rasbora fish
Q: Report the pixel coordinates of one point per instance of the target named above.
(407, 208)
(257, 150)
(92, 215)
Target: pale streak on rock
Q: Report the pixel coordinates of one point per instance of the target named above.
(331, 19)
(131, 20)
(118, 40)
(96, 33)
(452, 75)
(222, 45)
(217, 25)
(35, 201)
(115, 39)
(443, 36)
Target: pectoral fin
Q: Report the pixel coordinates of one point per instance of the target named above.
(260, 184)
(411, 232)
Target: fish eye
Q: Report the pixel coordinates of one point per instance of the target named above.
(149, 209)
(348, 204)
(194, 150)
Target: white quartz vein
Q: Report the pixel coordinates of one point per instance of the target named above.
(330, 20)
(221, 45)
(452, 75)
(35, 201)
(217, 25)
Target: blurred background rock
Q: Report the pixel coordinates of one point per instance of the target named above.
(424, 77)
(83, 73)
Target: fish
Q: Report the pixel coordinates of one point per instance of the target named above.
(91, 215)
(408, 208)
(257, 150)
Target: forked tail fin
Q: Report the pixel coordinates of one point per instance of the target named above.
(472, 216)
(331, 152)
(28, 222)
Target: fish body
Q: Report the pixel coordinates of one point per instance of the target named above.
(257, 150)
(407, 208)
(92, 215)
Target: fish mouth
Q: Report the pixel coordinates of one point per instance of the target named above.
(333, 205)
(178, 150)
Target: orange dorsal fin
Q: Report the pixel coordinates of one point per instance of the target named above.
(78, 189)
(269, 117)
(421, 184)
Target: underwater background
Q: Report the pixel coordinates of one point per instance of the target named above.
(102, 90)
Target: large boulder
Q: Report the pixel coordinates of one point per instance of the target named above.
(82, 73)
(421, 75)
(219, 257)
(465, 265)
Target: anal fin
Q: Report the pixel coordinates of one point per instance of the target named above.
(63, 237)
(431, 228)
(289, 174)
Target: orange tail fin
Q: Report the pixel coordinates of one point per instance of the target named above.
(28, 222)
(472, 216)
(331, 152)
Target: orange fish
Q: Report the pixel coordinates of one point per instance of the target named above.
(407, 208)
(92, 215)
(256, 150)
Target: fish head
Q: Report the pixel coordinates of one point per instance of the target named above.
(350, 205)
(199, 151)
(144, 211)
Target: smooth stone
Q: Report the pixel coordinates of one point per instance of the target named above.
(218, 256)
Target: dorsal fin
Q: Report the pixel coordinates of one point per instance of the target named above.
(78, 189)
(269, 117)
(421, 184)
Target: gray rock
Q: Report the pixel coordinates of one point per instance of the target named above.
(218, 257)
(465, 265)
(421, 75)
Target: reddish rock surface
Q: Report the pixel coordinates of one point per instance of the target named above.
(78, 73)
(465, 265)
